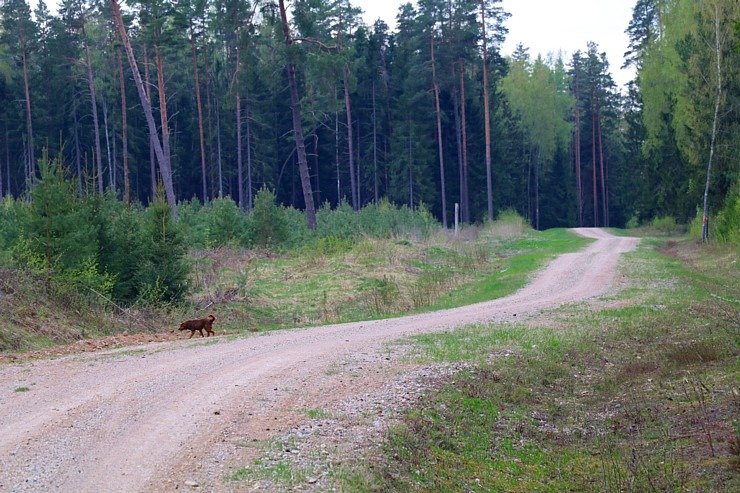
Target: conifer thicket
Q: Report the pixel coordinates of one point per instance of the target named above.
(211, 97)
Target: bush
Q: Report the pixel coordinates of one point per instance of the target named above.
(163, 271)
(508, 224)
(727, 224)
(267, 226)
(194, 221)
(665, 225)
(381, 220)
(59, 226)
(13, 215)
(226, 223)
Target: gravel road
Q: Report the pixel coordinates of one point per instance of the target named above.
(175, 415)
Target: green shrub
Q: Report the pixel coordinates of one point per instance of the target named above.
(665, 225)
(122, 250)
(297, 233)
(695, 227)
(226, 223)
(267, 226)
(727, 223)
(382, 220)
(13, 214)
(194, 221)
(59, 226)
(163, 271)
(508, 224)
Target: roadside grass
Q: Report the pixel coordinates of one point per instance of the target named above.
(638, 392)
(372, 278)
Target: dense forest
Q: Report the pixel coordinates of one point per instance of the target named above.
(221, 98)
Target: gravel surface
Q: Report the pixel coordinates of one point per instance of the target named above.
(183, 415)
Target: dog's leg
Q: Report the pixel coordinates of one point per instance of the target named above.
(192, 333)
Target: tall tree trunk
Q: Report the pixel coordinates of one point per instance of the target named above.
(715, 120)
(359, 168)
(250, 199)
(604, 210)
(465, 197)
(78, 153)
(29, 120)
(458, 137)
(200, 114)
(297, 126)
(593, 156)
(350, 143)
(152, 157)
(7, 159)
(579, 187)
(96, 126)
(124, 131)
(145, 103)
(106, 131)
(487, 115)
(440, 146)
(209, 110)
(218, 150)
(239, 161)
(164, 118)
(537, 188)
(336, 149)
(375, 149)
(411, 166)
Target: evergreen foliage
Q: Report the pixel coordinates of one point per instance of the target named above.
(163, 269)
(566, 143)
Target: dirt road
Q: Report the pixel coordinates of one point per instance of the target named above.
(166, 416)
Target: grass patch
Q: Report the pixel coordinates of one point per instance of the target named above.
(317, 414)
(22, 389)
(638, 396)
(373, 278)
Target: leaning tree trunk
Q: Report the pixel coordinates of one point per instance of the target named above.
(145, 103)
(297, 126)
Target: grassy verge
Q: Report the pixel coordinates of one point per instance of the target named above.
(372, 278)
(638, 395)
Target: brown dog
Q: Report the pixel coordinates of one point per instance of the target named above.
(199, 324)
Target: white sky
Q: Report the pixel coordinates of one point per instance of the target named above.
(546, 26)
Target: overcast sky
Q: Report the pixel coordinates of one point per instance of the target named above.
(546, 26)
